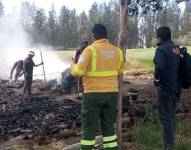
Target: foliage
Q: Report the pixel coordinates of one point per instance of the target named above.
(68, 29)
(40, 27)
(148, 135)
(52, 27)
(152, 116)
(185, 40)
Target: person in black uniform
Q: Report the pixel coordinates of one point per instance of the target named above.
(28, 72)
(166, 80)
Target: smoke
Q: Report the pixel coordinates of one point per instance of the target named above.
(14, 45)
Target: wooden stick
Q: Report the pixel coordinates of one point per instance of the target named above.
(43, 70)
(78, 84)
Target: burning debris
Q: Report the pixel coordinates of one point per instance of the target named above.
(37, 116)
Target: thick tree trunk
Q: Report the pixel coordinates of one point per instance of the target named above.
(122, 40)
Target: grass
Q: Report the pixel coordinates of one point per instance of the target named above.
(148, 135)
(139, 61)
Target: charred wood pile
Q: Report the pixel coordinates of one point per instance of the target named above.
(36, 116)
(59, 116)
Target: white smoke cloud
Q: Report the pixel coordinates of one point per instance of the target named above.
(14, 45)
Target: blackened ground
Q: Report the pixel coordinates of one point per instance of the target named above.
(37, 116)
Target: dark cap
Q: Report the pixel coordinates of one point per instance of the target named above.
(99, 29)
(164, 33)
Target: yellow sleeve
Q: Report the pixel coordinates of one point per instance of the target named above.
(81, 67)
(122, 65)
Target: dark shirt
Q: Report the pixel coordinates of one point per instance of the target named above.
(167, 66)
(28, 66)
(78, 53)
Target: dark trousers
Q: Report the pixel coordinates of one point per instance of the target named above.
(167, 114)
(68, 81)
(103, 107)
(27, 84)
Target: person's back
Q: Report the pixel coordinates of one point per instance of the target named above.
(168, 66)
(107, 58)
(19, 64)
(100, 64)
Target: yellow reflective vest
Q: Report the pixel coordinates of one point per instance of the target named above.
(100, 64)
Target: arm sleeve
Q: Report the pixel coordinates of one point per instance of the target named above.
(122, 64)
(81, 67)
(159, 61)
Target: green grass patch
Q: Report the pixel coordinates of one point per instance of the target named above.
(139, 61)
(148, 133)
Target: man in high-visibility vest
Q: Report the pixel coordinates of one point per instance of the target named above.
(100, 64)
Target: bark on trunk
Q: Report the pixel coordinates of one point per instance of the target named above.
(122, 40)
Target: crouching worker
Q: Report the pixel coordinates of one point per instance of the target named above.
(100, 64)
(28, 72)
(18, 67)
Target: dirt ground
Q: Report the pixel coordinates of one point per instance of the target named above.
(146, 92)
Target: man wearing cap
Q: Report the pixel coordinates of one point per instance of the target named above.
(18, 67)
(69, 79)
(166, 80)
(28, 72)
(100, 64)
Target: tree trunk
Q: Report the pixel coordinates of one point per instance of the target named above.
(122, 40)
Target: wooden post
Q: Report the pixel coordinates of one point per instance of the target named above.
(122, 40)
(43, 71)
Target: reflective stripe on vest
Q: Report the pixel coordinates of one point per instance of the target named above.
(120, 57)
(94, 73)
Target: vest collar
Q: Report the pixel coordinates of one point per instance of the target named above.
(101, 41)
